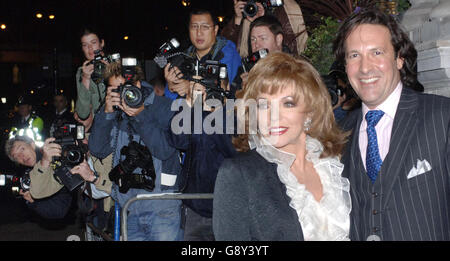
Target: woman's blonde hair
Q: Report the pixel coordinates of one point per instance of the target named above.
(280, 70)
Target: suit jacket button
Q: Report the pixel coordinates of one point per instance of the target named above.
(373, 238)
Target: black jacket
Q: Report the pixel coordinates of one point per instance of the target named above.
(250, 202)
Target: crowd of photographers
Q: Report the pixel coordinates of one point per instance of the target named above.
(119, 143)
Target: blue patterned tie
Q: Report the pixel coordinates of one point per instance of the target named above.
(373, 159)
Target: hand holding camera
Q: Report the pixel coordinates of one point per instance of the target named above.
(112, 99)
(124, 92)
(98, 65)
(175, 81)
(87, 70)
(26, 195)
(72, 152)
(84, 171)
(240, 7)
(50, 150)
(118, 98)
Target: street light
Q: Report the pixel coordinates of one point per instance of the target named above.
(39, 15)
(186, 3)
(51, 17)
(3, 26)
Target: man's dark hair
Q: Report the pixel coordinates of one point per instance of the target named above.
(114, 69)
(86, 31)
(198, 11)
(270, 21)
(403, 47)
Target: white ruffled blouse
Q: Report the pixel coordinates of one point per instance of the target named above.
(327, 220)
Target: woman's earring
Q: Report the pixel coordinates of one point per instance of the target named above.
(307, 124)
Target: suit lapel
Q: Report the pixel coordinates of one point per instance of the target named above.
(405, 123)
(352, 157)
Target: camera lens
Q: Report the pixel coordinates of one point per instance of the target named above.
(72, 155)
(250, 9)
(132, 96)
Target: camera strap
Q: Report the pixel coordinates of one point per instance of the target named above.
(116, 138)
(38, 154)
(85, 208)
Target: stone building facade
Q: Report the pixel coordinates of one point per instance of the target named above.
(428, 25)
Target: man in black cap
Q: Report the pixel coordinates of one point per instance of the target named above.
(26, 117)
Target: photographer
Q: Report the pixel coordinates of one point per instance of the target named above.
(143, 160)
(343, 97)
(90, 92)
(45, 196)
(266, 33)
(62, 113)
(204, 152)
(290, 16)
(206, 45)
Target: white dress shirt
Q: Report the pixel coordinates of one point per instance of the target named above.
(384, 126)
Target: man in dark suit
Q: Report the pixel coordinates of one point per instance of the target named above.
(398, 156)
(62, 114)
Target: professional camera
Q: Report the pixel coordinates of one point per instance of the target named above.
(337, 84)
(131, 94)
(136, 156)
(251, 9)
(250, 61)
(73, 152)
(16, 183)
(165, 52)
(99, 66)
(334, 89)
(169, 46)
(211, 72)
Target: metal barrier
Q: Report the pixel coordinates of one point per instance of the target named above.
(154, 197)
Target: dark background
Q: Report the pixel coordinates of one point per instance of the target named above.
(47, 52)
(39, 46)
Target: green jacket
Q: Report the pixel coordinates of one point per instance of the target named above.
(87, 98)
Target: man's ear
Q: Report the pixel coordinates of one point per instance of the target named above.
(216, 29)
(400, 61)
(279, 41)
(102, 43)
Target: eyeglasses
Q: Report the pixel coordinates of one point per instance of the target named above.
(203, 27)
